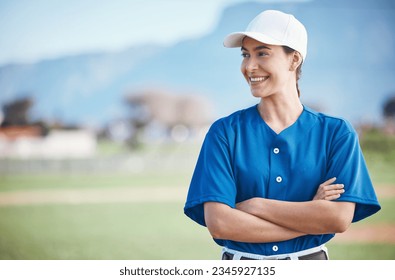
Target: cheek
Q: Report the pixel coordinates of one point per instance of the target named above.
(243, 71)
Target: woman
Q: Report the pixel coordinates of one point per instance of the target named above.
(278, 180)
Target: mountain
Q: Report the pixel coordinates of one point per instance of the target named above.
(349, 70)
(72, 89)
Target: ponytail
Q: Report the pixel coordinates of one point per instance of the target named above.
(298, 70)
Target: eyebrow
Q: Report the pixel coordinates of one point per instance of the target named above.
(258, 48)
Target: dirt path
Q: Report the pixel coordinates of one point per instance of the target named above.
(385, 191)
(77, 196)
(379, 233)
(111, 195)
(384, 233)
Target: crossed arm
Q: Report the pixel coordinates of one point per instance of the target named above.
(266, 220)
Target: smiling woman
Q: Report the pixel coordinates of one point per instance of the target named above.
(278, 180)
(267, 67)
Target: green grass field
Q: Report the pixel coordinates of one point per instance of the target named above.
(130, 231)
(102, 231)
(143, 230)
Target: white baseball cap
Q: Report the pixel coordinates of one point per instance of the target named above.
(273, 28)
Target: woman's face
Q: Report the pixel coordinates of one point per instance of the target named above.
(267, 68)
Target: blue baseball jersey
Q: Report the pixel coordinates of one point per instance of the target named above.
(242, 158)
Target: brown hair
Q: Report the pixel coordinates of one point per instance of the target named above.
(298, 70)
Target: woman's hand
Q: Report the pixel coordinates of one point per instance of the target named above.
(325, 191)
(250, 206)
(329, 191)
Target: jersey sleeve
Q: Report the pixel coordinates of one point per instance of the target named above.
(347, 164)
(212, 180)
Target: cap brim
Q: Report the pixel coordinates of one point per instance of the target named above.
(235, 39)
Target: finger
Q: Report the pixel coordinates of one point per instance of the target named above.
(332, 187)
(328, 182)
(332, 197)
(334, 192)
(338, 186)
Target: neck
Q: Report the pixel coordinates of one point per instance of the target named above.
(279, 111)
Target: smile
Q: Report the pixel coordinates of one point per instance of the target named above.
(258, 79)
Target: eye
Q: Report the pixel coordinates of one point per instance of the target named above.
(263, 54)
(245, 55)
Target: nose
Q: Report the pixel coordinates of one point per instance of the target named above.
(250, 65)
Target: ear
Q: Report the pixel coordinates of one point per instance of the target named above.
(296, 60)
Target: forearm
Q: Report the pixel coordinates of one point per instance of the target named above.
(310, 217)
(227, 223)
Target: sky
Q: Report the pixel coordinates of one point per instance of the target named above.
(32, 30)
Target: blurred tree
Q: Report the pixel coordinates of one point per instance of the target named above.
(139, 118)
(389, 108)
(16, 112)
(389, 115)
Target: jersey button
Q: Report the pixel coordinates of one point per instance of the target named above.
(276, 150)
(279, 179)
(275, 248)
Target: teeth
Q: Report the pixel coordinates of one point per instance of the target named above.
(257, 79)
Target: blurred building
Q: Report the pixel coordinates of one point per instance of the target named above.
(158, 114)
(27, 142)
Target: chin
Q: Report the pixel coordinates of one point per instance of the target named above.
(259, 93)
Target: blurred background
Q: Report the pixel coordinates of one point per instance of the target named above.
(104, 106)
